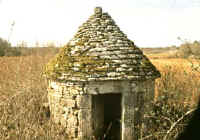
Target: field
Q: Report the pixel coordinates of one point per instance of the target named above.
(23, 91)
(179, 78)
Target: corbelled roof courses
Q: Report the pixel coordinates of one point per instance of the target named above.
(100, 51)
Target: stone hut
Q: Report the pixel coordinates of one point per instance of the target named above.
(100, 79)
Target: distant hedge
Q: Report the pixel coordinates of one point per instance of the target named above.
(23, 50)
(7, 50)
(189, 49)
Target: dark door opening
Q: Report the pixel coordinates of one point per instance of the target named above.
(107, 108)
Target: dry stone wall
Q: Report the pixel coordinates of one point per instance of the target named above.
(100, 51)
(67, 105)
(71, 106)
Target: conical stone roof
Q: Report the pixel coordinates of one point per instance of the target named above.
(100, 51)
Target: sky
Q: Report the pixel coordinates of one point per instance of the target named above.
(149, 23)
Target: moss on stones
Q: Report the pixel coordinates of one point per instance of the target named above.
(100, 51)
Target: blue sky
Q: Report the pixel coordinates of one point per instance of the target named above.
(149, 23)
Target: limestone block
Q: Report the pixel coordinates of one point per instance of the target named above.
(85, 124)
(75, 90)
(72, 133)
(104, 87)
(63, 121)
(68, 103)
(128, 118)
(84, 101)
(54, 85)
(72, 121)
(138, 87)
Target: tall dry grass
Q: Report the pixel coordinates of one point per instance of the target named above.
(178, 81)
(23, 90)
(176, 95)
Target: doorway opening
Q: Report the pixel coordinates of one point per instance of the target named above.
(107, 114)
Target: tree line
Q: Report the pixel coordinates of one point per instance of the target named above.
(22, 49)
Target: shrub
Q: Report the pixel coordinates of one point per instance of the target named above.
(195, 48)
(4, 45)
(164, 120)
(189, 49)
(185, 50)
(7, 50)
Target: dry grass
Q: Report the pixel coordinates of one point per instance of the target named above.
(23, 90)
(163, 55)
(178, 80)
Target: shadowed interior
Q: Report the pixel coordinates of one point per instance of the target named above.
(108, 112)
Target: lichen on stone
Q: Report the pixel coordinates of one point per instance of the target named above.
(100, 51)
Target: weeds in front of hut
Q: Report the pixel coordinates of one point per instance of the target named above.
(177, 94)
(22, 93)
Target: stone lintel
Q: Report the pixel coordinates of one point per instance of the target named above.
(105, 87)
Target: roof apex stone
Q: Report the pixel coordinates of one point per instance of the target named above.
(98, 10)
